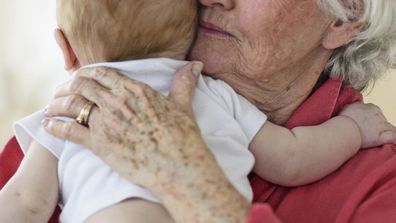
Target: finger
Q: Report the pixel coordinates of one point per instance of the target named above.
(183, 86)
(93, 115)
(107, 77)
(116, 82)
(66, 88)
(69, 106)
(70, 131)
(89, 89)
(62, 89)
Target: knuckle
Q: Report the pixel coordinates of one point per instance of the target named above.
(139, 89)
(188, 79)
(76, 84)
(71, 86)
(120, 102)
(63, 86)
(95, 114)
(116, 106)
(130, 85)
(99, 72)
(52, 104)
(52, 127)
(142, 89)
(71, 102)
(120, 81)
(67, 129)
(111, 71)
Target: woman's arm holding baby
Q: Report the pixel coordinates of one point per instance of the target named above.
(305, 154)
(32, 193)
(152, 140)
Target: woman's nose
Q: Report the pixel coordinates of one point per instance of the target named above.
(220, 4)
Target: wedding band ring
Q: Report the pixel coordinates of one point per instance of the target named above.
(85, 112)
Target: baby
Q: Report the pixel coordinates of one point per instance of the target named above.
(147, 40)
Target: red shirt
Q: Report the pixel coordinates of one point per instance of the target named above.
(362, 190)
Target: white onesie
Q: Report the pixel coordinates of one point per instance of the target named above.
(228, 123)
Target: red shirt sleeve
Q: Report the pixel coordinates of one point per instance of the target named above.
(10, 158)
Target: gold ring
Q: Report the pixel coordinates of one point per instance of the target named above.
(85, 112)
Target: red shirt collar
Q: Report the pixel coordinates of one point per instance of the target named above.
(323, 104)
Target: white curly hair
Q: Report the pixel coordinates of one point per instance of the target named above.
(373, 51)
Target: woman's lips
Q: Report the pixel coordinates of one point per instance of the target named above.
(212, 30)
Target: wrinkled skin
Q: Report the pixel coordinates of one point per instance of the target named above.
(149, 138)
(273, 55)
(130, 118)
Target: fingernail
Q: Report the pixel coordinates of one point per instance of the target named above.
(197, 68)
(45, 122)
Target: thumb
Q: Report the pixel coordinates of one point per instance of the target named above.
(183, 86)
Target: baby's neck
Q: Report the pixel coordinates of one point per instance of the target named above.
(169, 54)
(165, 54)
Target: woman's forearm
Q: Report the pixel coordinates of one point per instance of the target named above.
(203, 196)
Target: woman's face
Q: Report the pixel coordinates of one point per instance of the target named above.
(253, 40)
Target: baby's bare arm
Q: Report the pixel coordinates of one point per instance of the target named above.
(306, 154)
(141, 211)
(32, 193)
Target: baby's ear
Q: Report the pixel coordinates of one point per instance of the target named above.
(70, 58)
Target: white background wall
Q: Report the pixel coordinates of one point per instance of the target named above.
(31, 64)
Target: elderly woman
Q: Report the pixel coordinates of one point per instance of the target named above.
(298, 61)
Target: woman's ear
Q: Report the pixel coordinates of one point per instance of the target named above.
(341, 33)
(70, 58)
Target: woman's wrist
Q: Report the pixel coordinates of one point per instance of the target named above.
(202, 193)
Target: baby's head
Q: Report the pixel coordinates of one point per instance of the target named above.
(116, 30)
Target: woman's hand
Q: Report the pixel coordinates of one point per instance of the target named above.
(149, 139)
(130, 124)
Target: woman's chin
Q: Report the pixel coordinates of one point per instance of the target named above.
(215, 56)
